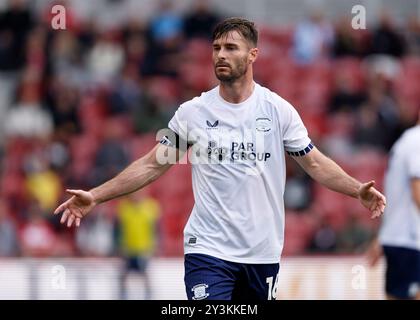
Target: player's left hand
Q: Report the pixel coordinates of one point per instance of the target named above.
(372, 199)
(374, 253)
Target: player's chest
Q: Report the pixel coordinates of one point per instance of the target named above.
(235, 135)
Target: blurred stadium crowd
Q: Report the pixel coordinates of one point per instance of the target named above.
(78, 105)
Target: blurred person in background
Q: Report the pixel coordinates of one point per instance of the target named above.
(313, 38)
(41, 180)
(298, 193)
(200, 21)
(62, 101)
(355, 236)
(66, 62)
(234, 237)
(28, 118)
(137, 217)
(378, 114)
(412, 36)
(399, 234)
(348, 41)
(386, 39)
(324, 239)
(37, 237)
(8, 232)
(346, 96)
(16, 22)
(97, 236)
(127, 94)
(112, 155)
(165, 34)
(105, 59)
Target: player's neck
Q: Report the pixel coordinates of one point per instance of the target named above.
(237, 91)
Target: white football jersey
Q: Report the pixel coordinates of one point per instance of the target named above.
(401, 220)
(238, 173)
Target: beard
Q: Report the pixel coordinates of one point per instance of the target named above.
(233, 73)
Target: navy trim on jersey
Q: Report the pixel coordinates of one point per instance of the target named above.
(177, 142)
(301, 152)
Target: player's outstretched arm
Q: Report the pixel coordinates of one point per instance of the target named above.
(136, 176)
(328, 173)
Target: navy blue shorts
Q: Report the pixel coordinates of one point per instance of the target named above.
(402, 277)
(136, 264)
(207, 277)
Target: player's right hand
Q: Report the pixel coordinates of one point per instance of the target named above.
(78, 206)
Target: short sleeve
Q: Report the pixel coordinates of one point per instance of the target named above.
(179, 126)
(295, 136)
(179, 122)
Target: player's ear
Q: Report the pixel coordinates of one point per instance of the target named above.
(253, 54)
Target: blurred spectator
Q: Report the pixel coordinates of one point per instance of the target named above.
(165, 35)
(382, 65)
(28, 118)
(112, 156)
(105, 60)
(36, 58)
(42, 183)
(8, 233)
(324, 239)
(152, 112)
(15, 23)
(134, 35)
(412, 36)
(200, 21)
(337, 142)
(313, 38)
(345, 41)
(354, 237)
(126, 95)
(378, 115)
(8, 84)
(346, 97)
(66, 60)
(386, 39)
(1, 157)
(87, 35)
(37, 237)
(166, 24)
(162, 59)
(58, 156)
(298, 192)
(137, 218)
(96, 236)
(62, 101)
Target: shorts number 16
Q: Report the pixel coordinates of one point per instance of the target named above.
(272, 290)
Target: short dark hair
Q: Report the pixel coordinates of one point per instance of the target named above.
(245, 27)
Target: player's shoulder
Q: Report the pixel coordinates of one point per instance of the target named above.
(198, 101)
(408, 141)
(413, 132)
(272, 98)
(412, 135)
